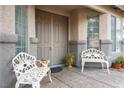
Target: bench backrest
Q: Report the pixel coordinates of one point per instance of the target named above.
(93, 54)
(23, 62)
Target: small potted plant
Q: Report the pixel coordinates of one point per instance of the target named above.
(118, 62)
(70, 60)
(122, 62)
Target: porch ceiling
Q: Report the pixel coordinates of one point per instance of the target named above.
(121, 7)
(66, 8)
(117, 9)
(62, 9)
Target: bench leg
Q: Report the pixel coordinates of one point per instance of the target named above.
(107, 64)
(102, 65)
(17, 85)
(49, 75)
(82, 67)
(36, 85)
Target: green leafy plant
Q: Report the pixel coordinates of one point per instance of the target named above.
(70, 59)
(119, 59)
(117, 64)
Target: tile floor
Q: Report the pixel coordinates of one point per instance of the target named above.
(90, 78)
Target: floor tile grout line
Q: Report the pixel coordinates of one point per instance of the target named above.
(62, 82)
(95, 79)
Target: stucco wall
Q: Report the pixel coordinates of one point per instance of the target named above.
(74, 25)
(105, 27)
(0, 18)
(32, 39)
(7, 18)
(78, 23)
(8, 41)
(83, 14)
(105, 19)
(82, 27)
(31, 21)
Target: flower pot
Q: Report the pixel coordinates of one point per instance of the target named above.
(70, 66)
(70, 61)
(122, 65)
(116, 65)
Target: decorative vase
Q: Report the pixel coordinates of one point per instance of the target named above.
(70, 61)
(70, 66)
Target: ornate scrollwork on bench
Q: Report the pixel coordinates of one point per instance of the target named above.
(94, 55)
(27, 72)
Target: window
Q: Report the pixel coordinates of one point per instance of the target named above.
(123, 28)
(116, 26)
(93, 32)
(113, 33)
(21, 28)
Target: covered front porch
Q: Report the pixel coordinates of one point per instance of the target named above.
(90, 78)
(53, 31)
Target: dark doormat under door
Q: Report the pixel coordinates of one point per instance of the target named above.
(56, 69)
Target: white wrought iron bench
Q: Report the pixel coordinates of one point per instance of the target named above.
(27, 72)
(94, 55)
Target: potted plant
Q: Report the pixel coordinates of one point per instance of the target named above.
(118, 62)
(122, 62)
(70, 60)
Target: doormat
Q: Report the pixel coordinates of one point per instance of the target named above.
(56, 69)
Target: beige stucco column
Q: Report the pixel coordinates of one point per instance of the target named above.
(0, 18)
(8, 40)
(7, 18)
(73, 25)
(78, 34)
(31, 21)
(78, 26)
(82, 26)
(105, 35)
(32, 44)
(105, 27)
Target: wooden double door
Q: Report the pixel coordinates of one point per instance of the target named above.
(52, 33)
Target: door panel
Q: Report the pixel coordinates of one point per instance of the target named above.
(59, 38)
(52, 34)
(43, 21)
